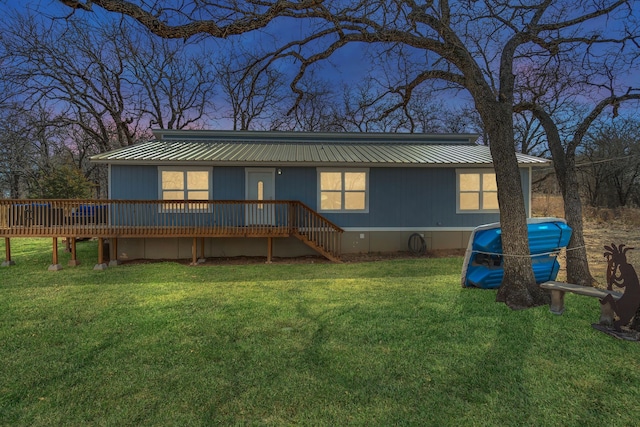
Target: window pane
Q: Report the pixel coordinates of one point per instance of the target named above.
(469, 201)
(197, 180)
(469, 182)
(172, 180)
(354, 201)
(490, 200)
(198, 195)
(489, 182)
(330, 201)
(330, 181)
(355, 181)
(173, 195)
(260, 190)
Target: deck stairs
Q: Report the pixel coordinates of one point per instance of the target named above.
(317, 232)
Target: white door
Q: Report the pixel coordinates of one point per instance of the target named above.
(260, 186)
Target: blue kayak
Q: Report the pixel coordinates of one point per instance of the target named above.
(483, 261)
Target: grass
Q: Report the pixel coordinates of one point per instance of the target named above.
(383, 343)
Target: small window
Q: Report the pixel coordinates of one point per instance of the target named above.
(343, 191)
(260, 194)
(184, 184)
(477, 191)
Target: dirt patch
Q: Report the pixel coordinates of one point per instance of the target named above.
(596, 236)
(310, 259)
(345, 258)
(602, 227)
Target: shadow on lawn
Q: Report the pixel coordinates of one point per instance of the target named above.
(35, 265)
(37, 252)
(494, 376)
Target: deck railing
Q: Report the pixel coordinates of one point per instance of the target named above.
(312, 227)
(163, 218)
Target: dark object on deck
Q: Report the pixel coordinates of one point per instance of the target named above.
(90, 214)
(34, 215)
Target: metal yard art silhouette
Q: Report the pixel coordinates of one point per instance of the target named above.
(622, 275)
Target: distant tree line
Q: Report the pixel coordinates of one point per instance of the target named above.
(608, 165)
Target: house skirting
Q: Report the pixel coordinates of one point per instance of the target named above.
(396, 240)
(353, 241)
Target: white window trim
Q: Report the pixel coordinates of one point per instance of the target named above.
(184, 169)
(342, 170)
(472, 211)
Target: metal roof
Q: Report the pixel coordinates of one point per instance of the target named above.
(311, 149)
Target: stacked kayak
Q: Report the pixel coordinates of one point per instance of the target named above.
(483, 262)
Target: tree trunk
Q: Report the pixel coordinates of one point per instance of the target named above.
(577, 264)
(564, 164)
(518, 289)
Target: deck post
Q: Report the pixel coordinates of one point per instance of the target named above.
(55, 266)
(71, 243)
(292, 226)
(202, 258)
(113, 252)
(101, 265)
(7, 251)
(194, 251)
(269, 249)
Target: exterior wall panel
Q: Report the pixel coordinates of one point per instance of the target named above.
(412, 197)
(398, 197)
(298, 184)
(228, 183)
(135, 182)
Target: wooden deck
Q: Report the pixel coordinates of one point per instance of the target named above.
(113, 219)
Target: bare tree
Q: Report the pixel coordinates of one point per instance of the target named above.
(31, 147)
(107, 85)
(475, 45)
(530, 137)
(363, 109)
(76, 73)
(109, 81)
(551, 91)
(611, 163)
(316, 111)
(176, 81)
(15, 151)
(253, 91)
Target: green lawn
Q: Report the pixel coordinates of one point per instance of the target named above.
(382, 343)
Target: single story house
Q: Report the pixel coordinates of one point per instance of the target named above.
(379, 189)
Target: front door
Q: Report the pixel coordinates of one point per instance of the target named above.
(260, 186)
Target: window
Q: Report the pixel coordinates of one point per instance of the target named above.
(184, 184)
(477, 191)
(343, 191)
(260, 193)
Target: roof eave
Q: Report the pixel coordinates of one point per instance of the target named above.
(299, 164)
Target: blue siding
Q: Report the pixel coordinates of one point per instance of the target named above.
(398, 197)
(228, 183)
(134, 182)
(141, 183)
(415, 197)
(298, 184)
